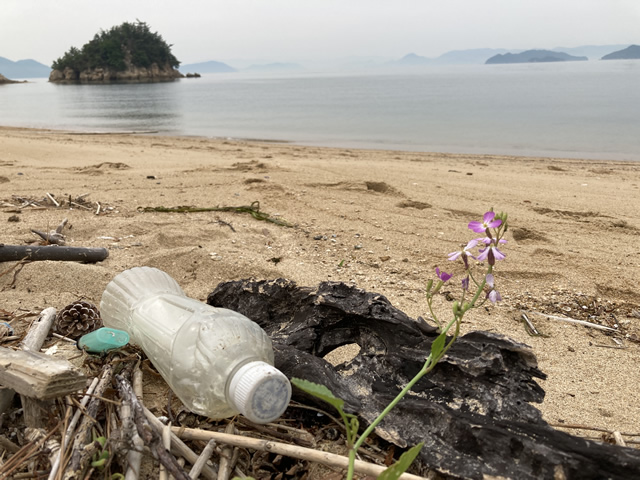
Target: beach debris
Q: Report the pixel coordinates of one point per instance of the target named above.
(77, 319)
(102, 340)
(57, 201)
(253, 210)
(13, 253)
(578, 322)
(54, 236)
(469, 411)
(38, 375)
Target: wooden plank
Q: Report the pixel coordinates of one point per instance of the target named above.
(37, 375)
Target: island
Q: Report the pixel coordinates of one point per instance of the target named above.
(534, 56)
(632, 52)
(4, 79)
(129, 52)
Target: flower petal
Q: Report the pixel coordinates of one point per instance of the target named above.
(489, 279)
(488, 216)
(477, 227)
(498, 255)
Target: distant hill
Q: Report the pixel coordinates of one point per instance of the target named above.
(411, 60)
(593, 52)
(630, 53)
(275, 67)
(475, 55)
(208, 67)
(23, 68)
(534, 56)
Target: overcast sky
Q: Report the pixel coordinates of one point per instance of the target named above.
(297, 30)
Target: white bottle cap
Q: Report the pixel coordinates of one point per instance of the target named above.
(260, 392)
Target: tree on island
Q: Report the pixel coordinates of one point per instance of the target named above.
(124, 48)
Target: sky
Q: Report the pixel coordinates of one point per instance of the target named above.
(303, 30)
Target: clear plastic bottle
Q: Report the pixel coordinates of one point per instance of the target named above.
(217, 361)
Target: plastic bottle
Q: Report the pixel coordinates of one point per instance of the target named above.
(217, 361)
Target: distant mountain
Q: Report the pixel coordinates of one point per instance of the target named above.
(207, 67)
(631, 52)
(411, 60)
(534, 56)
(475, 55)
(275, 67)
(23, 68)
(593, 52)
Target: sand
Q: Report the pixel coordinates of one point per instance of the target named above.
(382, 220)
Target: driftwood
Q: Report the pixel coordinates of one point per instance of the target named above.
(37, 375)
(33, 408)
(14, 253)
(473, 412)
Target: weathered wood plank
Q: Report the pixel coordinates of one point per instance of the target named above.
(37, 375)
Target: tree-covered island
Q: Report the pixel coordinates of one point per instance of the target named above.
(128, 52)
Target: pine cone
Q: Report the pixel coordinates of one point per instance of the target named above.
(77, 319)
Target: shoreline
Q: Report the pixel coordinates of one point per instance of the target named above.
(381, 220)
(324, 145)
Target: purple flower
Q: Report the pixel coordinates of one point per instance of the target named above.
(493, 296)
(491, 254)
(489, 240)
(487, 222)
(465, 283)
(444, 276)
(464, 251)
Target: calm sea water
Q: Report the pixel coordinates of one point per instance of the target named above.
(575, 109)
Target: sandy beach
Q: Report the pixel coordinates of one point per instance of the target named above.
(382, 220)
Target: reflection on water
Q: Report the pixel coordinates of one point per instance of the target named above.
(123, 106)
(569, 109)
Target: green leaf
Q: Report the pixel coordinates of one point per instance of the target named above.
(319, 391)
(398, 468)
(437, 346)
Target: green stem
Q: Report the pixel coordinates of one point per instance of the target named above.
(429, 364)
(352, 462)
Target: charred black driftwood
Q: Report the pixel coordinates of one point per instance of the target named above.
(473, 411)
(11, 253)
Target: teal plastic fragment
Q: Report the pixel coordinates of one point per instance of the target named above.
(103, 340)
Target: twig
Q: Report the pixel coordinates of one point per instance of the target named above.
(71, 428)
(324, 458)
(573, 320)
(618, 439)
(203, 459)
(82, 449)
(275, 434)
(148, 433)
(166, 443)
(253, 210)
(130, 435)
(574, 426)
(53, 199)
(8, 445)
(179, 446)
(225, 456)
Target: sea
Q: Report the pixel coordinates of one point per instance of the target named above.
(588, 109)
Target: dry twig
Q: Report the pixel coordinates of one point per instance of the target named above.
(148, 433)
(324, 458)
